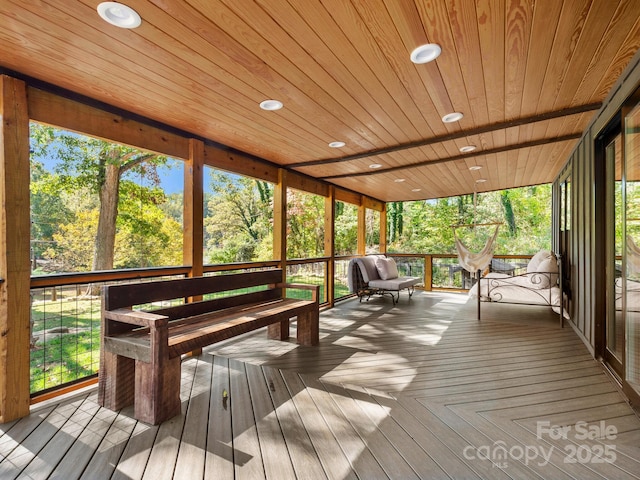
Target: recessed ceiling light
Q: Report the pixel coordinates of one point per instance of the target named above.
(337, 144)
(375, 165)
(271, 105)
(416, 189)
(467, 148)
(452, 117)
(481, 180)
(399, 180)
(119, 15)
(426, 53)
(475, 167)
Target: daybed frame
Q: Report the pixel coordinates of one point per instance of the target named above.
(528, 284)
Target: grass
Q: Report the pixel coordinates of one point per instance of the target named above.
(63, 358)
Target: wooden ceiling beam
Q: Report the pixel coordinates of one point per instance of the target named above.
(507, 148)
(456, 135)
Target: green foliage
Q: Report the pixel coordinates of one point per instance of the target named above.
(238, 218)
(346, 229)
(66, 203)
(372, 231)
(525, 212)
(305, 225)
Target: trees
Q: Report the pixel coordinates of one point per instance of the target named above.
(238, 217)
(98, 170)
(525, 214)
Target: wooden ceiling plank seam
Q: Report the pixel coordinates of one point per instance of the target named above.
(316, 15)
(366, 50)
(464, 25)
(205, 78)
(491, 34)
(619, 62)
(49, 51)
(544, 21)
(570, 23)
(311, 45)
(537, 163)
(411, 32)
(415, 102)
(502, 160)
(517, 51)
(294, 91)
(509, 125)
(226, 108)
(621, 23)
(513, 147)
(448, 96)
(231, 67)
(591, 35)
(140, 72)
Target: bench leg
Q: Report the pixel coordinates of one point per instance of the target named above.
(157, 390)
(309, 328)
(116, 381)
(279, 330)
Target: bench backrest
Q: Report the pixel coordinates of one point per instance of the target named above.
(127, 295)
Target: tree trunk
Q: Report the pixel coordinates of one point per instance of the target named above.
(106, 235)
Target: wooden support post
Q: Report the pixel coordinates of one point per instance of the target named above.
(383, 229)
(362, 228)
(193, 208)
(329, 244)
(15, 272)
(280, 222)
(193, 211)
(428, 273)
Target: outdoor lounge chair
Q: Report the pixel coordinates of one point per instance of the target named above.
(378, 275)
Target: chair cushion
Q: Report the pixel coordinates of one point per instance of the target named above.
(387, 268)
(395, 284)
(368, 268)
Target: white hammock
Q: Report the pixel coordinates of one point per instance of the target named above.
(472, 262)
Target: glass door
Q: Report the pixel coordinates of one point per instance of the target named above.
(614, 319)
(630, 291)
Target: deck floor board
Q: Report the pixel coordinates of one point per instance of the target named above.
(417, 390)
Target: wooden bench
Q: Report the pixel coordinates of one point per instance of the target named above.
(141, 349)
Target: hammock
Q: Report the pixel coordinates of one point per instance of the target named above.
(472, 262)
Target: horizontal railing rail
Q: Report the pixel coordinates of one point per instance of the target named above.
(65, 308)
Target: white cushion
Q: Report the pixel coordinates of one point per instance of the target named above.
(537, 258)
(546, 275)
(387, 268)
(548, 265)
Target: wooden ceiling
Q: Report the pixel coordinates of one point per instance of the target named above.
(527, 74)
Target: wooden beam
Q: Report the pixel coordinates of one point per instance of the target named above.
(193, 249)
(15, 272)
(425, 163)
(239, 163)
(454, 136)
(52, 109)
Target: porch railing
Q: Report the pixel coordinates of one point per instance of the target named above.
(65, 309)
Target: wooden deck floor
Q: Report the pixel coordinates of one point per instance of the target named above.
(419, 390)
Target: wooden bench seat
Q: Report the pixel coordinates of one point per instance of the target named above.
(141, 349)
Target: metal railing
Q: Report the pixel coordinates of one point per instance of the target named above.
(65, 309)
